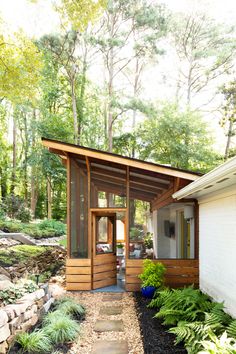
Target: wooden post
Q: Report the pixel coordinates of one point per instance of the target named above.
(68, 189)
(127, 212)
(196, 230)
(90, 250)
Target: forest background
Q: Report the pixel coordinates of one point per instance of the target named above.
(131, 77)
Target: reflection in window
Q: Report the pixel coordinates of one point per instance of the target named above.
(105, 234)
(140, 235)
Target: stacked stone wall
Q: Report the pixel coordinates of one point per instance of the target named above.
(22, 315)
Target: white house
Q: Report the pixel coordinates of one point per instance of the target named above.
(216, 195)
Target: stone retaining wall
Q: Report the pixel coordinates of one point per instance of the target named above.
(21, 316)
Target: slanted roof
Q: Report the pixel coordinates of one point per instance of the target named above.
(221, 177)
(108, 171)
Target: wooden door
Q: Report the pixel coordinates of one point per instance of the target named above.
(104, 250)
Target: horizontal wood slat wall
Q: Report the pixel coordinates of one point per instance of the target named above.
(104, 271)
(179, 272)
(78, 274)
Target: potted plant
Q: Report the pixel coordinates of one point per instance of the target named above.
(152, 277)
(148, 242)
(120, 248)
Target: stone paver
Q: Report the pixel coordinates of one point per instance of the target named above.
(110, 310)
(109, 325)
(110, 347)
(112, 297)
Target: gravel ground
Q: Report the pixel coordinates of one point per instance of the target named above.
(156, 339)
(93, 302)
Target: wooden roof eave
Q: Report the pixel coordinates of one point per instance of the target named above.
(60, 148)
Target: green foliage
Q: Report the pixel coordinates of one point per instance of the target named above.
(177, 137)
(10, 295)
(69, 307)
(148, 240)
(231, 330)
(222, 345)
(20, 254)
(34, 342)
(61, 328)
(44, 229)
(153, 274)
(58, 227)
(186, 304)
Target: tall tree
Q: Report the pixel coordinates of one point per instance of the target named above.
(178, 138)
(229, 114)
(205, 50)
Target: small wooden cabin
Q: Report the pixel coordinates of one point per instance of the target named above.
(121, 211)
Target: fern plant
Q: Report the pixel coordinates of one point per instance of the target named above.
(186, 304)
(231, 329)
(194, 333)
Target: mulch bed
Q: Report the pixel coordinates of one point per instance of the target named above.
(156, 339)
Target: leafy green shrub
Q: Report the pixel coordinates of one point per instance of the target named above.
(10, 295)
(46, 228)
(61, 328)
(153, 274)
(55, 226)
(222, 345)
(34, 342)
(69, 307)
(186, 304)
(23, 214)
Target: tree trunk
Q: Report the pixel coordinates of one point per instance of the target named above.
(26, 147)
(33, 178)
(14, 152)
(135, 94)
(74, 110)
(110, 90)
(229, 136)
(49, 193)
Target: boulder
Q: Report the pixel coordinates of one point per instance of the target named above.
(4, 332)
(3, 347)
(3, 318)
(5, 284)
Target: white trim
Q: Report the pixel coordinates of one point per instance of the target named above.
(211, 178)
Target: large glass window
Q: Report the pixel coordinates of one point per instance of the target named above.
(78, 209)
(140, 232)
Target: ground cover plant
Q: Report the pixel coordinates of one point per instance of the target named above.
(20, 254)
(16, 291)
(197, 319)
(43, 229)
(58, 328)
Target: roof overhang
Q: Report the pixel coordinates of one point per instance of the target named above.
(63, 149)
(221, 177)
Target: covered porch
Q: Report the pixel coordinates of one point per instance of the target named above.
(121, 211)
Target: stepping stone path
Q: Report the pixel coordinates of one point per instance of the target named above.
(107, 325)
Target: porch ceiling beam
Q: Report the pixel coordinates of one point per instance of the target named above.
(101, 156)
(134, 185)
(105, 187)
(143, 181)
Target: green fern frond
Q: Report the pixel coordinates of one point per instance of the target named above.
(231, 330)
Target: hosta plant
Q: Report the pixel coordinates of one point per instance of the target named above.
(222, 345)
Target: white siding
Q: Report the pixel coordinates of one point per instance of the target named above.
(217, 246)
